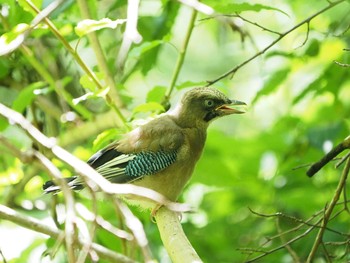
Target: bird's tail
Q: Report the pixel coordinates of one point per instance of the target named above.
(51, 187)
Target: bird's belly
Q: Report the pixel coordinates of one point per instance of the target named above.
(168, 183)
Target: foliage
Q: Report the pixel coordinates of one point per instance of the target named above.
(85, 76)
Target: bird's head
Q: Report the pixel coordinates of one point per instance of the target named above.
(199, 106)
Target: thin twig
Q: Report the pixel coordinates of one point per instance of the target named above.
(295, 219)
(136, 227)
(329, 156)
(180, 58)
(344, 65)
(69, 200)
(3, 257)
(80, 62)
(329, 211)
(265, 253)
(101, 59)
(307, 20)
(256, 24)
(38, 226)
(293, 254)
(342, 160)
(307, 35)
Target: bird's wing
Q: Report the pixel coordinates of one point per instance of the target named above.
(119, 167)
(144, 151)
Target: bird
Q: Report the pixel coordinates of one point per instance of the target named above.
(161, 155)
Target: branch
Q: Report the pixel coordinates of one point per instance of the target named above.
(306, 21)
(329, 157)
(329, 211)
(83, 169)
(101, 59)
(180, 58)
(174, 239)
(37, 226)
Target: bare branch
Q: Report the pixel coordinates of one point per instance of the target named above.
(36, 225)
(258, 25)
(329, 211)
(307, 20)
(329, 156)
(344, 65)
(307, 35)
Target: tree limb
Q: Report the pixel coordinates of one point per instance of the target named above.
(328, 157)
(174, 239)
(305, 21)
(37, 226)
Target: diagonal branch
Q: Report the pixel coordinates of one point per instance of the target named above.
(305, 21)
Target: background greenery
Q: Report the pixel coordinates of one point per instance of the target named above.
(250, 185)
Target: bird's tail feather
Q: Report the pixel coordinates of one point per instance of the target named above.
(51, 187)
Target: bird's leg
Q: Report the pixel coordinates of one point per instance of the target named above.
(154, 212)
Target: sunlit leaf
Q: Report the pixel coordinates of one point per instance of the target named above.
(156, 94)
(88, 25)
(17, 30)
(148, 107)
(24, 4)
(105, 138)
(88, 83)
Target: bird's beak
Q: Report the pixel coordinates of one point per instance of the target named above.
(227, 109)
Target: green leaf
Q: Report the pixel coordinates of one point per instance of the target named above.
(26, 96)
(144, 47)
(105, 138)
(26, 7)
(88, 83)
(271, 84)
(238, 8)
(7, 38)
(156, 94)
(88, 25)
(148, 107)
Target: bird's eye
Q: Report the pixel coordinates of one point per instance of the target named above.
(209, 103)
